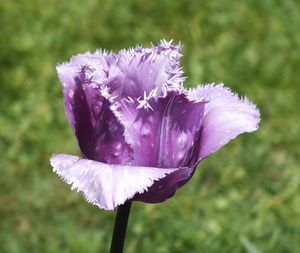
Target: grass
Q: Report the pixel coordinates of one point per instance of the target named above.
(244, 198)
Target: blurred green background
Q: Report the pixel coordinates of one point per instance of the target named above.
(245, 198)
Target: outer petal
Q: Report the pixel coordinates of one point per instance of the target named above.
(161, 133)
(166, 187)
(106, 186)
(79, 70)
(225, 117)
(99, 134)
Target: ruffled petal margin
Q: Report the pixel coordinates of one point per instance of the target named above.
(150, 70)
(225, 116)
(107, 185)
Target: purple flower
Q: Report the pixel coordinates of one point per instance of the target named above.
(140, 133)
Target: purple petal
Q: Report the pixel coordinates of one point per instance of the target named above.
(161, 132)
(80, 69)
(104, 185)
(166, 187)
(225, 117)
(99, 134)
(150, 69)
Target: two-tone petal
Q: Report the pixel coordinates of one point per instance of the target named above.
(150, 70)
(104, 185)
(98, 132)
(163, 133)
(225, 117)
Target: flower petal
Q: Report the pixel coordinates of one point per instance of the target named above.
(161, 134)
(80, 69)
(166, 187)
(225, 117)
(147, 70)
(99, 134)
(104, 185)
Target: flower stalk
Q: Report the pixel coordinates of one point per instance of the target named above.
(118, 238)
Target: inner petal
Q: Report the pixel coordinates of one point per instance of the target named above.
(144, 70)
(164, 133)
